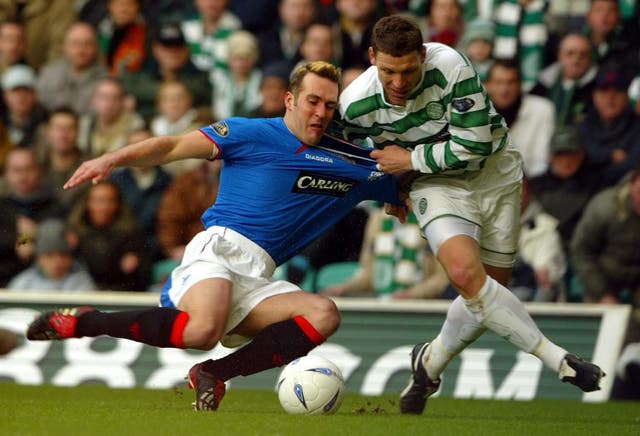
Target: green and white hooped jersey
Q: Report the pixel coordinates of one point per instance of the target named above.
(448, 121)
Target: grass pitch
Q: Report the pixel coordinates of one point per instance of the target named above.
(99, 410)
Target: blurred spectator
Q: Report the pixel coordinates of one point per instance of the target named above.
(109, 241)
(634, 94)
(282, 40)
(611, 131)
(182, 205)
(30, 199)
(5, 146)
(13, 44)
(170, 61)
(477, 44)
(176, 115)
(318, 44)
(156, 12)
(538, 274)
(12, 259)
(123, 37)
(524, 113)
(61, 156)
(55, 268)
(45, 23)
(274, 85)
(207, 33)
(394, 262)
(24, 116)
(256, 15)
(71, 80)
(614, 45)
(142, 189)
(569, 183)
(521, 34)
(108, 125)
(604, 248)
(349, 75)
(353, 27)
(237, 90)
(568, 83)
(443, 22)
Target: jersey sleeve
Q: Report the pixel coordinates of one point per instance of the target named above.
(475, 131)
(233, 137)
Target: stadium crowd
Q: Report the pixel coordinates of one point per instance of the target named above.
(84, 80)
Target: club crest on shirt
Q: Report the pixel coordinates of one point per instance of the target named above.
(422, 205)
(435, 110)
(462, 104)
(220, 128)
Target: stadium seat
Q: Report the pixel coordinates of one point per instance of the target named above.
(334, 274)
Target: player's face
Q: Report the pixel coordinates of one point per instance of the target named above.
(398, 75)
(309, 113)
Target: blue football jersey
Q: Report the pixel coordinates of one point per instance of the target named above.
(281, 193)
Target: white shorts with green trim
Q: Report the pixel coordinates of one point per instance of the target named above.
(483, 204)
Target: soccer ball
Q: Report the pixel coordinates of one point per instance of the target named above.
(311, 385)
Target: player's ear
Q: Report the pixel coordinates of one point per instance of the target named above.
(372, 56)
(288, 100)
(423, 54)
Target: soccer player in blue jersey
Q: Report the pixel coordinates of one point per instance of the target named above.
(277, 193)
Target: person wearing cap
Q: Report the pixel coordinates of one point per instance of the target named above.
(611, 131)
(24, 115)
(477, 44)
(568, 82)
(569, 182)
(55, 268)
(170, 60)
(71, 80)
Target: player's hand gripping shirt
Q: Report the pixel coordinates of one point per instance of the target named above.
(281, 193)
(448, 120)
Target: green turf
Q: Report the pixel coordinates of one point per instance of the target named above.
(98, 410)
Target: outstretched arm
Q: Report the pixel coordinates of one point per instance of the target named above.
(152, 151)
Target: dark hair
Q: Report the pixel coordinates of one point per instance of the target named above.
(63, 110)
(396, 36)
(510, 64)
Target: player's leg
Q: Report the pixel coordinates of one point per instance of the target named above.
(283, 327)
(198, 323)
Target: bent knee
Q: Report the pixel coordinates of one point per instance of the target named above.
(201, 337)
(324, 316)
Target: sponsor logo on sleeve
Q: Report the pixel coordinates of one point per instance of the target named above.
(220, 128)
(462, 104)
(322, 184)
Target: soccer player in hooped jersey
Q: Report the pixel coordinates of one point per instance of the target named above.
(277, 193)
(426, 111)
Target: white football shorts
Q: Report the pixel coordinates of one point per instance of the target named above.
(483, 204)
(220, 252)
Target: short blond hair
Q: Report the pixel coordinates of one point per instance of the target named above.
(243, 44)
(319, 68)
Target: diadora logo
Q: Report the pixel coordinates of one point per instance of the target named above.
(375, 175)
(318, 158)
(323, 184)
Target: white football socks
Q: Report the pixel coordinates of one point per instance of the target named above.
(497, 309)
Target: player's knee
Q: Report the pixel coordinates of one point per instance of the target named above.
(463, 277)
(325, 316)
(202, 337)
